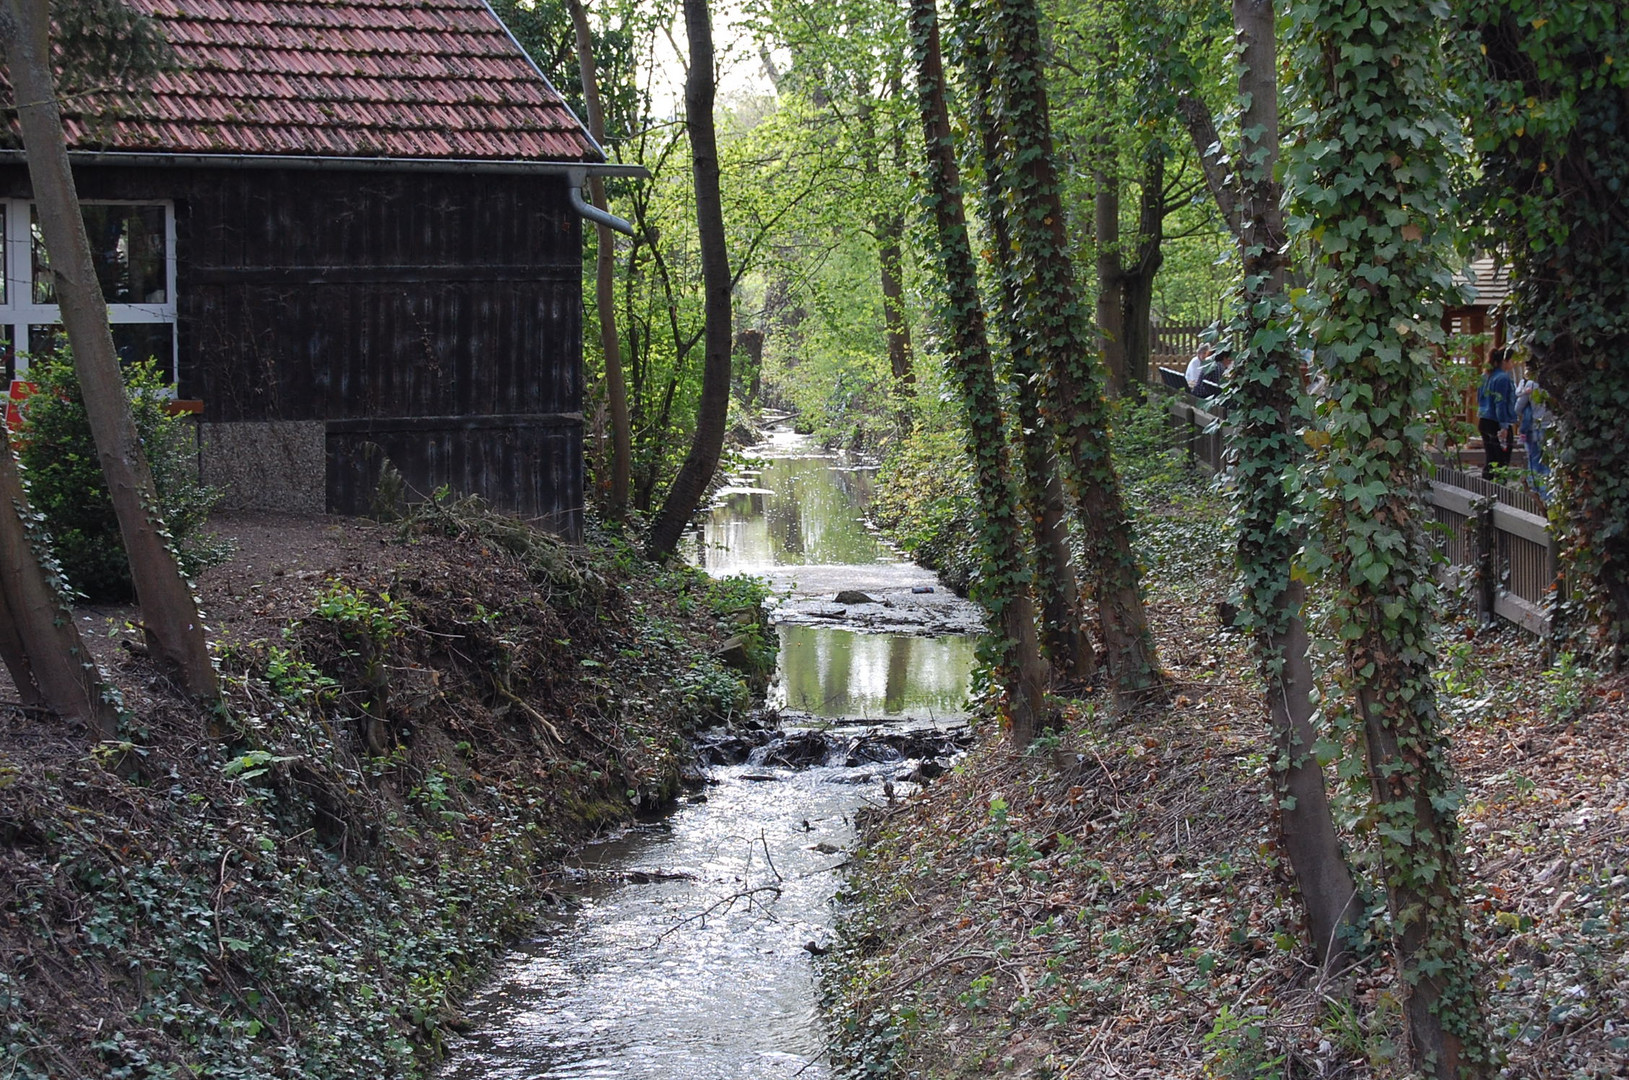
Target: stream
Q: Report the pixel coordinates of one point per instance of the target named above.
(685, 952)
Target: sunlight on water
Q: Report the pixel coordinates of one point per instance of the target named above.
(706, 977)
(798, 511)
(703, 979)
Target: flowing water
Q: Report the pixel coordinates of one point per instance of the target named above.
(686, 954)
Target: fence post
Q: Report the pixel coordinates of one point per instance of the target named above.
(1487, 553)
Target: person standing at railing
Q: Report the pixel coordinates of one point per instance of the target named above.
(1496, 411)
(1532, 414)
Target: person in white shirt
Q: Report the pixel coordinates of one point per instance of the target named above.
(1196, 367)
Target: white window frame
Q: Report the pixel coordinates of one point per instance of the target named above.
(21, 312)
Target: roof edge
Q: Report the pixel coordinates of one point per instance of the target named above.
(515, 41)
(359, 164)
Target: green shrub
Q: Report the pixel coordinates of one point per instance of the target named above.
(65, 478)
(925, 503)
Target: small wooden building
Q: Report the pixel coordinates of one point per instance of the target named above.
(351, 230)
(1478, 325)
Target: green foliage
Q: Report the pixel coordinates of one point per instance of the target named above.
(377, 621)
(65, 478)
(1549, 88)
(925, 504)
(105, 44)
(1145, 453)
(1569, 683)
(1239, 1048)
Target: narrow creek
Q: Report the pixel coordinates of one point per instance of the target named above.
(684, 953)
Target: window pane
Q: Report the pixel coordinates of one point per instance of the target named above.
(8, 349)
(133, 342)
(45, 340)
(127, 249)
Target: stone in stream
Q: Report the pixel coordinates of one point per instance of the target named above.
(852, 596)
(733, 653)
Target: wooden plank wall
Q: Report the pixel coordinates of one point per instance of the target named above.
(344, 296)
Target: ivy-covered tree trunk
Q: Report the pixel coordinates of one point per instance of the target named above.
(170, 617)
(1064, 638)
(1551, 124)
(1369, 179)
(969, 364)
(39, 639)
(713, 412)
(1057, 329)
(605, 255)
(1266, 424)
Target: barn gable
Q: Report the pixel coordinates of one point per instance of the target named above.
(358, 236)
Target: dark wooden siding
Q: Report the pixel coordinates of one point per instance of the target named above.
(348, 296)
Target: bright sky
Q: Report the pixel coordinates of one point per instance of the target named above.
(741, 72)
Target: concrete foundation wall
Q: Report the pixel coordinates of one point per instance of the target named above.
(267, 465)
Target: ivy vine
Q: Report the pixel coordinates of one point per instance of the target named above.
(1550, 84)
(1368, 175)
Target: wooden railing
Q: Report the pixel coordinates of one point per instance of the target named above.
(1494, 538)
(1180, 341)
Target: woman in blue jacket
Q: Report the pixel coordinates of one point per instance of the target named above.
(1496, 408)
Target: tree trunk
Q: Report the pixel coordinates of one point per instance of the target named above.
(1201, 127)
(1266, 437)
(749, 343)
(1137, 292)
(174, 630)
(971, 370)
(713, 412)
(890, 256)
(616, 392)
(1111, 285)
(1064, 639)
(39, 639)
(1056, 331)
(1380, 293)
(1554, 193)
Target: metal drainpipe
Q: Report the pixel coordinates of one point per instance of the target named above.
(575, 179)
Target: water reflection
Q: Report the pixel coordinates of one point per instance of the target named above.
(834, 673)
(707, 978)
(700, 979)
(798, 511)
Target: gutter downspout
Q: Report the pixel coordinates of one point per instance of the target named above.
(575, 181)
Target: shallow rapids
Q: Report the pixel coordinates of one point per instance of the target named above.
(683, 950)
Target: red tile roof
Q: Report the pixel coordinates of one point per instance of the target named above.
(346, 78)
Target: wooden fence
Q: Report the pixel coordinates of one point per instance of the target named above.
(1171, 347)
(1494, 538)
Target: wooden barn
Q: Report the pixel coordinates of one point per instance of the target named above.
(352, 232)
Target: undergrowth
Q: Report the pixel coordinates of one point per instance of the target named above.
(303, 881)
(1115, 904)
